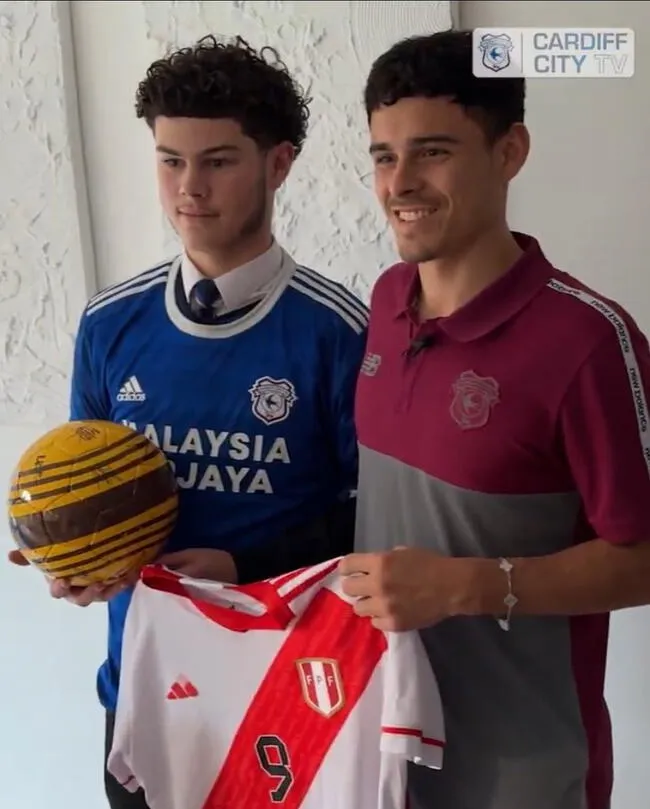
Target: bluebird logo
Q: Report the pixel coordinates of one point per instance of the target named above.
(553, 52)
(496, 51)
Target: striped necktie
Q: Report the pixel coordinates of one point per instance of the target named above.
(204, 297)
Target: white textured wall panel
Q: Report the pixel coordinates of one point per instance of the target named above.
(43, 231)
(326, 214)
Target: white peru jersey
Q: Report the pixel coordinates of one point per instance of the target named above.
(273, 694)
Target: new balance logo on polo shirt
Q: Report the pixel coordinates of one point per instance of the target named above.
(131, 391)
(371, 363)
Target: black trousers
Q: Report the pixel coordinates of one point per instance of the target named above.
(118, 797)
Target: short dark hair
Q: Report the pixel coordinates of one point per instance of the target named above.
(230, 79)
(440, 65)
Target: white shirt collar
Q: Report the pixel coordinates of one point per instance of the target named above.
(243, 285)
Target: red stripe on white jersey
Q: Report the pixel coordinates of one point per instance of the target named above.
(295, 716)
(415, 732)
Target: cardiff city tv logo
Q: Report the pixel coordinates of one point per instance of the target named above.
(496, 51)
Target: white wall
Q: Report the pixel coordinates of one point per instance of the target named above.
(46, 273)
(584, 193)
(51, 733)
(45, 257)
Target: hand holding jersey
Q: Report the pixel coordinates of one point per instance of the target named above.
(199, 563)
(202, 563)
(407, 588)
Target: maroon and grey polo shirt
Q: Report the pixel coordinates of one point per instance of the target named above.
(519, 428)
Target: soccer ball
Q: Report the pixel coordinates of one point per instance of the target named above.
(92, 501)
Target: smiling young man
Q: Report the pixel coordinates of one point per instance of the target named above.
(504, 487)
(240, 364)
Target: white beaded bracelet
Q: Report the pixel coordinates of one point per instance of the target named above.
(511, 600)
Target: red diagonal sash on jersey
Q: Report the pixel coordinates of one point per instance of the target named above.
(315, 681)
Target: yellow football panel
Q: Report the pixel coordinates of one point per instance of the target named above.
(74, 439)
(28, 475)
(35, 501)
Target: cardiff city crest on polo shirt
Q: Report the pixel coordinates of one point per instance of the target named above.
(474, 399)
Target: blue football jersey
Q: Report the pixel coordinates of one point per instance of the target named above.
(255, 412)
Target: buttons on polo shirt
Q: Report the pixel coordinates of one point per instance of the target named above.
(414, 355)
(419, 344)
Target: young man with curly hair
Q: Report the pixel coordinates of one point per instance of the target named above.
(237, 362)
(502, 417)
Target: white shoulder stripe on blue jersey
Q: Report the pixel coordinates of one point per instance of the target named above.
(337, 298)
(126, 293)
(318, 281)
(139, 283)
(628, 354)
(109, 291)
(353, 320)
(154, 272)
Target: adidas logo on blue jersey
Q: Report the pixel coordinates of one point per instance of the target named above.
(131, 391)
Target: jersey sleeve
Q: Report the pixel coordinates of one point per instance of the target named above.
(87, 400)
(412, 718)
(120, 759)
(346, 362)
(605, 427)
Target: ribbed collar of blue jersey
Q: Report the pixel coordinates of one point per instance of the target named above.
(243, 285)
(277, 274)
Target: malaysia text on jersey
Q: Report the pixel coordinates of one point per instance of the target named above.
(254, 411)
(273, 694)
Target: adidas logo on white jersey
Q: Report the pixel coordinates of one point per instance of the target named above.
(131, 391)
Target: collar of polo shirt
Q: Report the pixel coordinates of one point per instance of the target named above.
(496, 304)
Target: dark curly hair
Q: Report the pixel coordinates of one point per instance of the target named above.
(440, 65)
(228, 80)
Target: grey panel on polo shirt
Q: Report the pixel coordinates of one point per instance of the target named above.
(515, 735)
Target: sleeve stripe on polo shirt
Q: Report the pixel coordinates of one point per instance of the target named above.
(332, 295)
(124, 289)
(629, 357)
